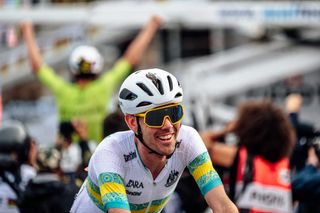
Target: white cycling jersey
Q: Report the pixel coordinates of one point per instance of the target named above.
(117, 178)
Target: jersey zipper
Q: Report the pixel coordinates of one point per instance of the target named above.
(151, 194)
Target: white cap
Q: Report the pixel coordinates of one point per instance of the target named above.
(85, 60)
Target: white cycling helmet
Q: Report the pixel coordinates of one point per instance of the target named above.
(85, 60)
(147, 89)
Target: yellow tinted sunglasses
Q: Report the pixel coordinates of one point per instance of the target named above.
(155, 117)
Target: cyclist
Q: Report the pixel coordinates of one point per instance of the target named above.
(137, 170)
(88, 98)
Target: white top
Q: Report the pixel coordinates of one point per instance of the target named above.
(70, 158)
(117, 177)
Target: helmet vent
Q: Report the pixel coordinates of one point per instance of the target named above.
(144, 103)
(127, 95)
(156, 82)
(179, 83)
(178, 95)
(170, 82)
(145, 88)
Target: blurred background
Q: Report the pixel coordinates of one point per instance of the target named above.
(222, 51)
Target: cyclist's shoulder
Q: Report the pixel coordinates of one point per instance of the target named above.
(121, 140)
(187, 127)
(188, 136)
(187, 131)
(119, 136)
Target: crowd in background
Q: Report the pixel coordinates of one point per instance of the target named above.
(272, 152)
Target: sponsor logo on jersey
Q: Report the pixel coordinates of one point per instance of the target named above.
(130, 156)
(134, 184)
(173, 177)
(133, 193)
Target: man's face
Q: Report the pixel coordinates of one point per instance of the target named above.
(159, 126)
(163, 139)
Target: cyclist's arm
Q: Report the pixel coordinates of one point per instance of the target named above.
(206, 177)
(105, 177)
(210, 185)
(139, 45)
(219, 202)
(34, 55)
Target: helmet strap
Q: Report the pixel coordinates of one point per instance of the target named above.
(152, 151)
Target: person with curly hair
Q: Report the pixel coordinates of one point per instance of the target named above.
(258, 164)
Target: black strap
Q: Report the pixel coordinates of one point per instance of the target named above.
(233, 177)
(247, 177)
(14, 185)
(140, 137)
(248, 172)
(152, 151)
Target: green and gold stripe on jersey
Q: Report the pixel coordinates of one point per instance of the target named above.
(203, 172)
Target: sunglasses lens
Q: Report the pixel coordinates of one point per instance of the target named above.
(155, 117)
(177, 113)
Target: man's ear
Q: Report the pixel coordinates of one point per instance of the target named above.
(131, 122)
